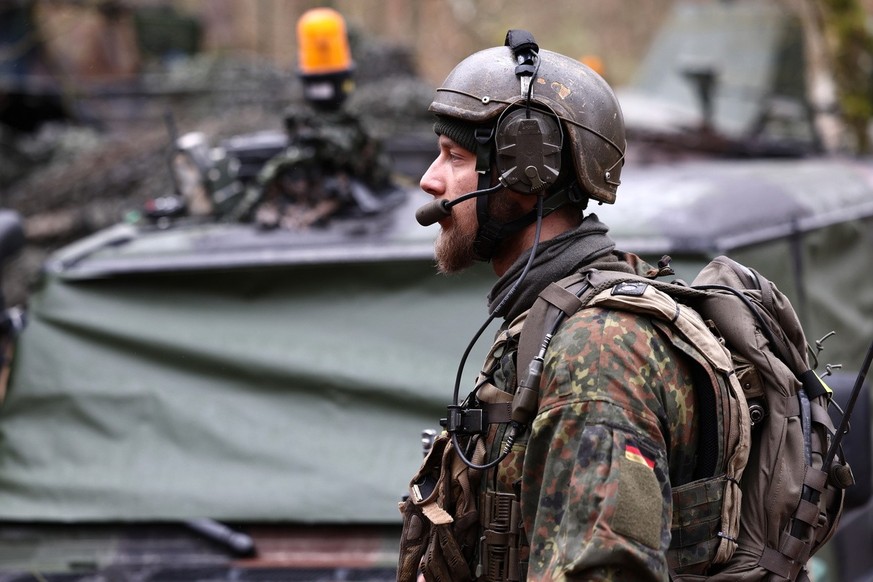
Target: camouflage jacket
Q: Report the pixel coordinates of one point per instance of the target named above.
(614, 429)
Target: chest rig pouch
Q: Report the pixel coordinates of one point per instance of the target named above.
(440, 519)
(502, 550)
(442, 525)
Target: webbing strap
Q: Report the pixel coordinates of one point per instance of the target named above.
(815, 479)
(793, 551)
(497, 412)
(773, 561)
(787, 561)
(794, 548)
(791, 406)
(436, 514)
(819, 414)
(807, 512)
(555, 301)
(499, 544)
(561, 298)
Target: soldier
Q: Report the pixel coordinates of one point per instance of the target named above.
(332, 164)
(527, 139)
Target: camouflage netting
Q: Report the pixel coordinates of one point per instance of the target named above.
(69, 180)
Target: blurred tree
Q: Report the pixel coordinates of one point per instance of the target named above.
(847, 30)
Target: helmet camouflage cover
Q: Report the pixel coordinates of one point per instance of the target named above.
(482, 86)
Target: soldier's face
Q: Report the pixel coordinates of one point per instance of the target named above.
(453, 174)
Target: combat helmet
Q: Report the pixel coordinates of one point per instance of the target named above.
(486, 86)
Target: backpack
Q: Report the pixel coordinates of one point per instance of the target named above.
(765, 503)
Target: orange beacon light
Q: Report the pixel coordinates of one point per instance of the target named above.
(324, 57)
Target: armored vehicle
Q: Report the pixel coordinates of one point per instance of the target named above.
(202, 399)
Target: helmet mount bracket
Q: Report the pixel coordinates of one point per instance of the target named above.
(525, 148)
(525, 50)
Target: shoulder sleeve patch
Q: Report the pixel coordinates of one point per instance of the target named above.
(630, 288)
(639, 504)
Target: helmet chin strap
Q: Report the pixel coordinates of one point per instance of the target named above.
(492, 232)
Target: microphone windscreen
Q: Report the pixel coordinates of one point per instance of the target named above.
(432, 212)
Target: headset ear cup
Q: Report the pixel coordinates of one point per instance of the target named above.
(529, 145)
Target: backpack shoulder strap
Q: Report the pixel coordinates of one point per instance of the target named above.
(550, 308)
(554, 303)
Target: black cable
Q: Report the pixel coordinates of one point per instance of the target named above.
(529, 96)
(491, 316)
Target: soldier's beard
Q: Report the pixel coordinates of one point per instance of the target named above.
(454, 246)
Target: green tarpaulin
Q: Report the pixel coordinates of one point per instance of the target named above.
(280, 394)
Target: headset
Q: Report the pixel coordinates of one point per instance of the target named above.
(528, 146)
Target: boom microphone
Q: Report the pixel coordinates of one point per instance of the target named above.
(436, 210)
(433, 212)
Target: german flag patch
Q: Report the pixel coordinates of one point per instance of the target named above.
(635, 454)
